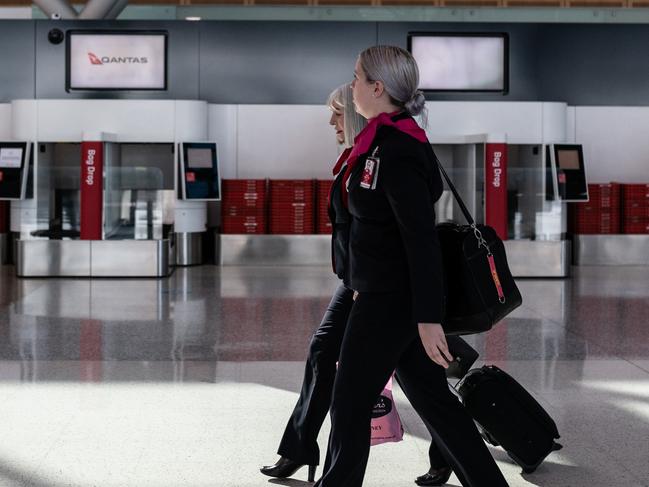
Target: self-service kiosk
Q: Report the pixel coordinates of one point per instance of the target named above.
(113, 204)
(198, 182)
(16, 183)
(15, 169)
(567, 171)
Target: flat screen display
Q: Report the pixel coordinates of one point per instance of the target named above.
(11, 157)
(461, 61)
(568, 159)
(199, 158)
(15, 168)
(116, 60)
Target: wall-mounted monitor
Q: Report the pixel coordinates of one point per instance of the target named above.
(102, 60)
(14, 169)
(569, 172)
(461, 61)
(199, 171)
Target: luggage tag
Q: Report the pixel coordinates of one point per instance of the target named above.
(371, 171)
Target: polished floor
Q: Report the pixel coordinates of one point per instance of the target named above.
(188, 381)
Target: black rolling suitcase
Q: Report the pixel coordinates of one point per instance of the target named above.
(507, 415)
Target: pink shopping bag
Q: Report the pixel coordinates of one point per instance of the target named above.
(386, 424)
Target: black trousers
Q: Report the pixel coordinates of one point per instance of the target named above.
(380, 337)
(299, 442)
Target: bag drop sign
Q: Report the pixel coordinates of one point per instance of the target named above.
(497, 170)
(92, 164)
(496, 188)
(90, 167)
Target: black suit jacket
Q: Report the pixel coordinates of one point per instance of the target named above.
(393, 241)
(340, 222)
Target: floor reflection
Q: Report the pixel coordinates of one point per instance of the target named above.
(188, 380)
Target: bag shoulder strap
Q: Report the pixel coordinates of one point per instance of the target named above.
(451, 186)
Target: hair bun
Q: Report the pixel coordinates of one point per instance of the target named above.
(416, 103)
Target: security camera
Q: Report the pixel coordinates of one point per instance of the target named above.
(55, 36)
(55, 16)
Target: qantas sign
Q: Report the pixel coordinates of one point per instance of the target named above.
(98, 61)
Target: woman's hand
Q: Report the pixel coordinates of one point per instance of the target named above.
(355, 295)
(434, 340)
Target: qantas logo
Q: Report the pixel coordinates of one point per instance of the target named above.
(94, 59)
(100, 61)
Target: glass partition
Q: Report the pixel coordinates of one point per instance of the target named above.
(138, 191)
(533, 212)
(58, 186)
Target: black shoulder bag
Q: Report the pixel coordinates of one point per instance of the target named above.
(480, 289)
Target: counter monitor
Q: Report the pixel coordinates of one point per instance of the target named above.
(100, 60)
(460, 61)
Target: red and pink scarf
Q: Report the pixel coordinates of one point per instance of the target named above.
(365, 138)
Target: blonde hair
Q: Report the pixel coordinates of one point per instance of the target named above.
(342, 99)
(398, 71)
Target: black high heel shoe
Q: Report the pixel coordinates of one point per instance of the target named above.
(434, 477)
(285, 467)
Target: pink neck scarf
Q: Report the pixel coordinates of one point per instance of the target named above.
(364, 139)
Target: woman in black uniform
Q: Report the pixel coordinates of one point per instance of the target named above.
(396, 269)
(299, 446)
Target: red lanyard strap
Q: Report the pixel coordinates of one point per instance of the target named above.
(494, 276)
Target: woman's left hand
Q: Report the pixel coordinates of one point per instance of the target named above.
(434, 341)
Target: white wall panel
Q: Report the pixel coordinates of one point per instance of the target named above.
(554, 122)
(130, 120)
(222, 129)
(521, 121)
(616, 145)
(191, 120)
(24, 119)
(285, 141)
(571, 128)
(5, 121)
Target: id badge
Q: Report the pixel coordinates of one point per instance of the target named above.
(371, 171)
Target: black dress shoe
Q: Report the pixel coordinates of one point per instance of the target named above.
(435, 476)
(285, 467)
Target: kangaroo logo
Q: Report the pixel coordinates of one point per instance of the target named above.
(94, 59)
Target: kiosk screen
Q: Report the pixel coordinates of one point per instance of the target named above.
(199, 158)
(11, 157)
(200, 171)
(13, 170)
(570, 172)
